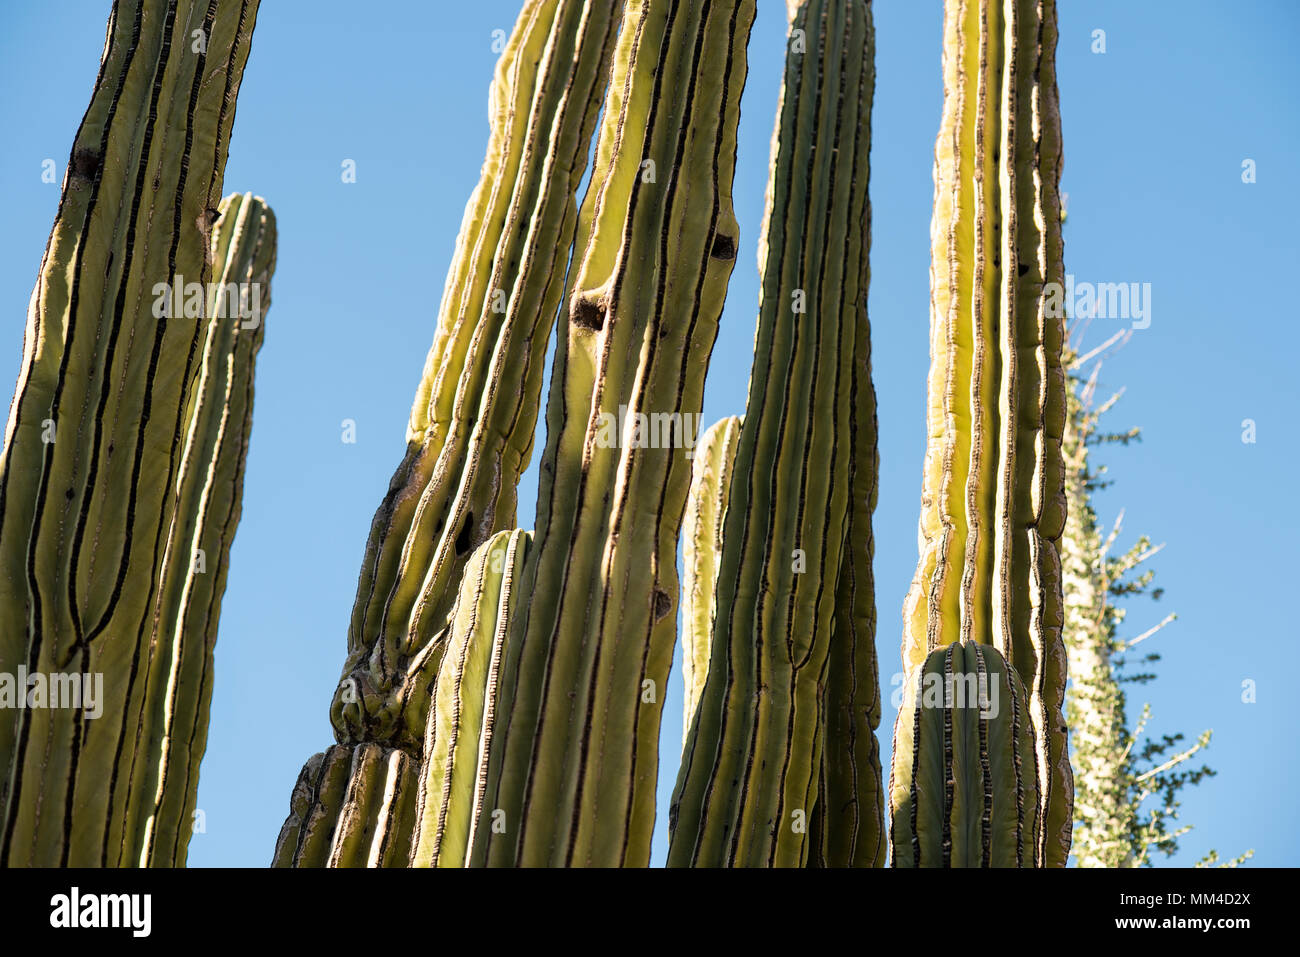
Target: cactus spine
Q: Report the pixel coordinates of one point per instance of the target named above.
(124, 450)
(753, 763)
(574, 773)
(964, 790)
(993, 504)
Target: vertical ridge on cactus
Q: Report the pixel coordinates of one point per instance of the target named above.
(99, 441)
(706, 506)
(752, 766)
(963, 790)
(573, 774)
(465, 705)
(993, 502)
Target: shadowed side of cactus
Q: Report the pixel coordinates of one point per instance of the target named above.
(964, 790)
(465, 705)
(751, 770)
(471, 429)
(116, 461)
(847, 825)
(706, 506)
(993, 501)
(573, 775)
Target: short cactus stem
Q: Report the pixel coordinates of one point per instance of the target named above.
(964, 788)
(463, 716)
(706, 506)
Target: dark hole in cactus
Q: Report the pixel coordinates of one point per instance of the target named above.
(1023, 269)
(663, 604)
(85, 163)
(589, 314)
(724, 247)
(465, 536)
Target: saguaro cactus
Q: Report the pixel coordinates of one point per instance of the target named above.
(573, 775)
(993, 505)
(751, 772)
(124, 449)
(964, 790)
(471, 429)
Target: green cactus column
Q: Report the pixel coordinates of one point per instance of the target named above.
(471, 430)
(993, 503)
(963, 789)
(749, 782)
(123, 450)
(573, 776)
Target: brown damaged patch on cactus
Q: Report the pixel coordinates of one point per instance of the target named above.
(724, 247)
(663, 604)
(589, 313)
(465, 537)
(85, 165)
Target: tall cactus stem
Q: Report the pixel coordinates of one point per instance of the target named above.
(123, 450)
(574, 774)
(993, 501)
(749, 782)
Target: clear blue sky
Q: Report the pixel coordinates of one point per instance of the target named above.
(1156, 130)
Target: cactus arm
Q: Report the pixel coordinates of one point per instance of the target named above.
(706, 505)
(993, 498)
(751, 769)
(963, 788)
(83, 518)
(471, 426)
(170, 734)
(464, 710)
(574, 773)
